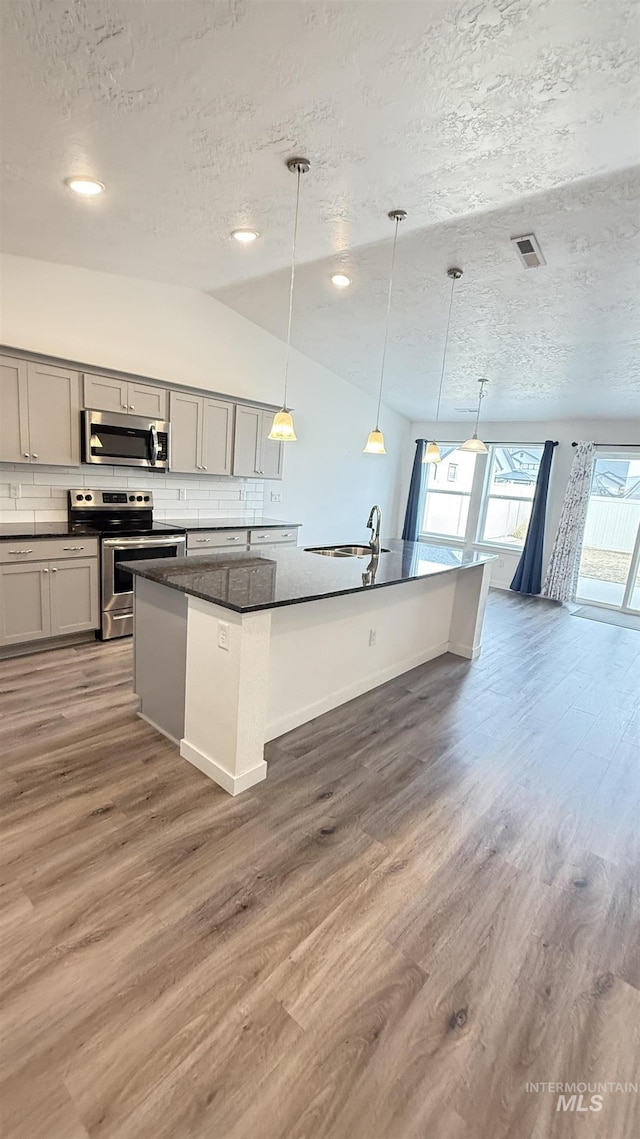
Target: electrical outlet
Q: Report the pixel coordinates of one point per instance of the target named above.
(501, 563)
(276, 496)
(14, 490)
(183, 494)
(223, 635)
(373, 635)
(242, 495)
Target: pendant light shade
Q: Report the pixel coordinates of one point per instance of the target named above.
(282, 428)
(375, 442)
(432, 454)
(475, 445)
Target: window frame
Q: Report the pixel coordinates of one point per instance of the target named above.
(486, 496)
(430, 536)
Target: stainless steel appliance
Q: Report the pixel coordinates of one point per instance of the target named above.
(125, 440)
(123, 519)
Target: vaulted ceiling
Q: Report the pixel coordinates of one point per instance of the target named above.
(484, 119)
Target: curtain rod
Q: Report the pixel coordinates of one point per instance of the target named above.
(614, 446)
(501, 443)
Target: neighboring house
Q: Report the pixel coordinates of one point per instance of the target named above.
(516, 466)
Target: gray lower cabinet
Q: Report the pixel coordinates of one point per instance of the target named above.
(73, 588)
(48, 599)
(39, 413)
(25, 603)
(126, 397)
(201, 434)
(255, 455)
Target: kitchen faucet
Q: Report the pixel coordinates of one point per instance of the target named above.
(375, 534)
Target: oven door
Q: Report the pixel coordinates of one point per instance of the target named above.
(117, 583)
(125, 440)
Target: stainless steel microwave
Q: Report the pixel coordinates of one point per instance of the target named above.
(125, 440)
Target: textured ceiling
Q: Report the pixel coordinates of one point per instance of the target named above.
(480, 117)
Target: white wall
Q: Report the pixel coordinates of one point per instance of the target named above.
(187, 337)
(565, 431)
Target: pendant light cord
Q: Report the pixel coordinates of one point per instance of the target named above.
(386, 327)
(446, 345)
(480, 399)
(293, 276)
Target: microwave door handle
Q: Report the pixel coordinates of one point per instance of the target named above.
(155, 446)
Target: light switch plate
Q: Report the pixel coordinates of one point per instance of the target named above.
(276, 496)
(14, 490)
(223, 635)
(242, 495)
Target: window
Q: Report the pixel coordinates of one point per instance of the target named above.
(510, 486)
(446, 511)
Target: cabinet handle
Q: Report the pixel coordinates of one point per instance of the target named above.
(124, 406)
(54, 570)
(26, 454)
(34, 456)
(203, 540)
(235, 538)
(262, 535)
(45, 571)
(20, 551)
(204, 468)
(131, 407)
(73, 547)
(286, 535)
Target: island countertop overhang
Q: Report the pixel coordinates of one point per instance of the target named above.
(246, 582)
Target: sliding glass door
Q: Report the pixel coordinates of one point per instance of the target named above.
(610, 562)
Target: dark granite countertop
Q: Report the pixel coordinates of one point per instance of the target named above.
(246, 582)
(191, 524)
(23, 530)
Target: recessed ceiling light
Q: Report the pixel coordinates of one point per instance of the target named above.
(244, 236)
(340, 280)
(87, 187)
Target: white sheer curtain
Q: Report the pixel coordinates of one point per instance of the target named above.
(561, 581)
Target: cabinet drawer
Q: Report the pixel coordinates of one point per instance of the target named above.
(200, 541)
(44, 549)
(270, 537)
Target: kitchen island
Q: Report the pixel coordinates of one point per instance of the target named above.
(233, 650)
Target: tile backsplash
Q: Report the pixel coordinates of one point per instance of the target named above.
(42, 492)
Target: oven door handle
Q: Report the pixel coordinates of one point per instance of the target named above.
(140, 543)
(155, 446)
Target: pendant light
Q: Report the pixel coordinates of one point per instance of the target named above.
(282, 427)
(475, 445)
(432, 453)
(375, 442)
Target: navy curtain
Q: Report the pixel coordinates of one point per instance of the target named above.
(528, 576)
(414, 502)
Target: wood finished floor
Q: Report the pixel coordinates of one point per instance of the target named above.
(432, 900)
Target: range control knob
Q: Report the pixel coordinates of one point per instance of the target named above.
(132, 498)
(79, 497)
(88, 498)
(139, 498)
(146, 497)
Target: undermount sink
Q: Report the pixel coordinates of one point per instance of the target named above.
(343, 551)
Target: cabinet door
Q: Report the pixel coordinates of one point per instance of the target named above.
(217, 436)
(271, 453)
(103, 393)
(246, 451)
(74, 595)
(14, 419)
(186, 418)
(147, 400)
(24, 603)
(54, 415)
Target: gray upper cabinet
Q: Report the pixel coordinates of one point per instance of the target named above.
(255, 455)
(39, 420)
(127, 397)
(201, 434)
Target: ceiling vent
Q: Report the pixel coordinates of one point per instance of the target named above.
(528, 251)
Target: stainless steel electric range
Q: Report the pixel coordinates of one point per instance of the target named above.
(123, 520)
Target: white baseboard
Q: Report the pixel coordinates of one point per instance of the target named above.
(464, 651)
(234, 784)
(152, 724)
(288, 721)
